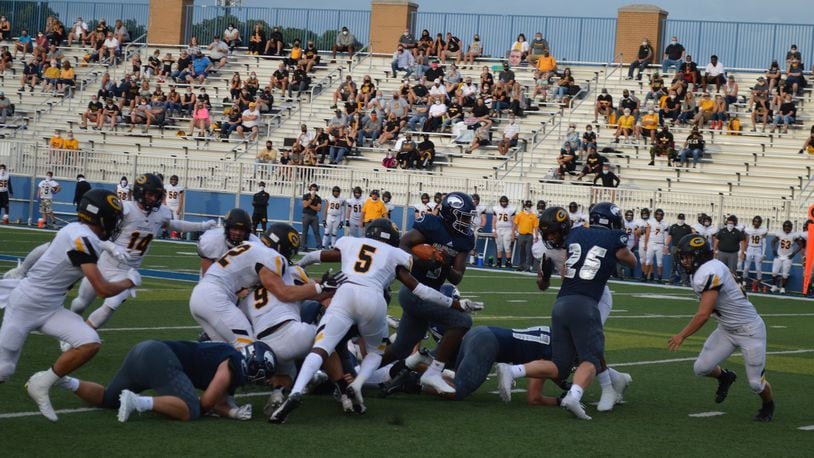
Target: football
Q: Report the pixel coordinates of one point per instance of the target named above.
(427, 252)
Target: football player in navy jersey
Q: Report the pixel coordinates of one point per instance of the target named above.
(451, 231)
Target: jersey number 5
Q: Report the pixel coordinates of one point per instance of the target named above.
(365, 259)
(591, 265)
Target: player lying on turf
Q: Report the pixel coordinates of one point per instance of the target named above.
(144, 219)
(554, 228)
(37, 303)
(739, 325)
(175, 370)
(369, 265)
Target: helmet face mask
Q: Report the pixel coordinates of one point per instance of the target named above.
(237, 227)
(148, 191)
(554, 227)
(260, 362)
(458, 212)
(283, 238)
(607, 215)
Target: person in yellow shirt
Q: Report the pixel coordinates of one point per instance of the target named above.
(373, 208)
(648, 125)
(706, 107)
(626, 124)
(56, 142)
(546, 66)
(71, 142)
(51, 76)
(527, 222)
(296, 53)
(67, 77)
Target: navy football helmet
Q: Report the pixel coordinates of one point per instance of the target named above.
(260, 360)
(606, 214)
(458, 212)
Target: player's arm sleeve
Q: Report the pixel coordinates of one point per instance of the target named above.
(34, 256)
(184, 226)
(83, 252)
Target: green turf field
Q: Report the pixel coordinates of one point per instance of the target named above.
(654, 420)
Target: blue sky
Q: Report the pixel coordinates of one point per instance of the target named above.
(792, 11)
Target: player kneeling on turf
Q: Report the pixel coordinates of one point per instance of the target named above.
(175, 370)
(36, 304)
(739, 325)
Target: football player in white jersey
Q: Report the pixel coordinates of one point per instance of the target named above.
(332, 214)
(555, 225)
(739, 325)
(353, 220)
(387, 198)
(123, 190)
(247, 266)
(369, 265)
(755, 245)
(143, 219)
(785, 246)
(423, 207)
(478, 223)
(6, 191)
(705, 228)
(577, 217)
(503, 229)
(214, 243)
(630, 227)
(174, 198)
(36, 304)
(654, 237)
(45, 191)
(639, 229)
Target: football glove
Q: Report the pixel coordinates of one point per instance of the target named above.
(134, 277)
(547, 267)
(206, 225)
(119, 253)
(347, 222)
(324, 223)
(341, 224)
(332, 280)
(241, 413)
(468, 305)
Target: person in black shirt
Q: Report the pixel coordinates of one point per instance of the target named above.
(419, 92)
(786, 115)
(608, 178)
(593, 163)
(93, 112)
(257, 40)
(672, 55)
(643, 58)
(274, 45)
(311, 206)
(690, 71)
(627, 102)
(299, 80)
(588, 138)
(260, 204)
(426, 153)
(455, 113)
(604, 104)
(182, 69)
(694, 145)
(452, 49)
(728, 242)
(435, 72)
(674, 234)
(664, 146)
(82, 187)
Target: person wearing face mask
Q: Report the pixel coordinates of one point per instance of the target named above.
(727, 243)
(604, 105)
(45, 191)
(260, 205)
(526, 222)
(673, 55)
(345, 42)
(402, 61)
(606, 179)
(257, 40)
(218, 51)
(231, 36)
(537, 47)
(435, 116)
(593, 164)
(677, 231)
(663, 146)
(407, 41)
(475, 50)
(644, 57)
(511, 134)
(82, 186)
(588, 138)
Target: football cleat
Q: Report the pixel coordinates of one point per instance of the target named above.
(392, 322)
(620, 384)
(782, 290)
(774, 288)
(276, 399)
(281, 414)
(572, 405)
(355, 395)
(405, 381)
(317, 379)
(766, 412)
(725, 381)
(505, 381)
(38, 387)
(347, 404)
(127, 404)
(421, 357)
(437, 383)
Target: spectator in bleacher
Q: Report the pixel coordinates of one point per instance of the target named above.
(135, 64)
(299, 80)
(279, 79)
(58, 34)
(391, 129)
(507, 77)
(808, 145)
(264, 100)
(795, 82)
(656, 88)
(627, 102)
(435, 116)
(218, 52)
(111, 113)
(182, 67)
(294, 54)
(109, 49)
(250, 121)
(274, 45)
(54, 53)
(341, 145)
(309, 157)
(673, 55)
(786, 114)
(435, 72)
(720, 115)
(588, 138)
(607, 178)
(760, 93)
(572, 137)
(56, 142)
(345, 41)
(693, 146)
(481, 112)
(71, 143)
(345, 91)
(452, 49)
(200, 119)
(257, 40)
(67, 78)
(121, 32)
(321, 144)
(235, 86)
(764, 113)
(303, 139)
(5, 29)
(670, 109)
(93, 113)
(24, 43)
(437, 92)
(231, 37)
(99, 34)
(455, 114)
(774, 77)
(366, 90)
(545, 64)
(689, 71)
(644, 57)
(79, 32)
(564, 85)
(706, 108)
(371, 127)
(5, 107)
(452, 80)
(402, 61)
(202, 95)
(407, 155)
(437, 46)
(511, 134)
(422, 63)
(425, 42)
(398, 107)
(567, 161)
(537, 48)
(231, 121)
(173, 101)
(153, 67)
(664, 146)
(793, 54)
(141, 114)
(541, 87)
(603, 105)
(426, 153)
(267, 155)
(6, 60)
(252, 84)
(648, 126)
(407, 41)
(714, 73)
(339, 121)
(50, 76)
(310, 57)
(201, 66)
(730, 91)
(625, 126)
(475, 50)
(418, 116)
(521, 45)
(482, 137)
(40, 44)
(466, 93)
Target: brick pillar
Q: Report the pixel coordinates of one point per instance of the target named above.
(388, 19)
(635, 22)
(167, 21)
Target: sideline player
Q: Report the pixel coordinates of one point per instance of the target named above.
(739, 325)
(174, 199)
(387, 198)
(46, 190)
(369, 265)
(785, 246)
(654, 238)
(332, 217)
(123, 190)
(423, 207)
(630, 228)
(6, 191)
(214, 243)
(639, 229)
(577, 217)
(174, 370)
(755, 245)
(503, 229)
(478, 224)
(353, 219)
(144, 218)
(36, 304)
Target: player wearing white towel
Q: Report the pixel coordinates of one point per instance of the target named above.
(123, 190)
(785, 246)
(332, 214)
(36, 304)
(144, 218)
(755, 246)
(369, 265)
(214, 243)
(639, 229)
(654, 238)
(353, 220)
(739, 325)
(503, 228)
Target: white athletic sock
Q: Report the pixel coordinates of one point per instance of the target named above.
(311, 364)
(604, 378)
(144, 403)
(435, 368)
(99, 317)
(68, 383)
(518, 371)
(575, 391)
(52, 376)
(380, 375)
(369, 364)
